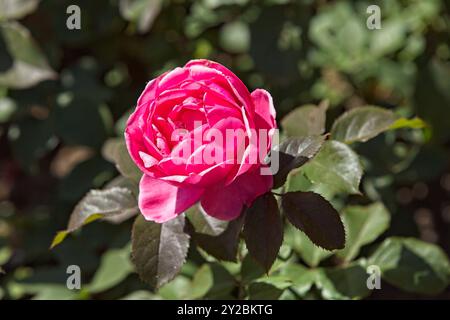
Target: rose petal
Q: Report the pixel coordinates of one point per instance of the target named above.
(161, 201)
(227, 202)
(264, 109)
(236, 84)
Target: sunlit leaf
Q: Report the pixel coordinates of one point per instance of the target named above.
(114, 267)
(414, 123)
(97, 204)
(30, 65)
(363, 225)
(337, 166)
(202, 282)
(305, 121)
(16, 9)
(141, 12)
(362, 124)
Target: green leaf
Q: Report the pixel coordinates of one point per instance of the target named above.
(223, 283)
(6, 60)
(204, 223)
(115, 151)
(142, 12)
(7, 108)
(362, 124)
(389, 38)
(202, 282)
(250, 269)
(122, 182)
(141, 295)
(363, 225)
(114, 267)
(316, 217)
(30, 65)
(293, 153)
(16, 9)
(263, 291)
(177, 289)
(263, 230)
(234, 37)
(224, 246)
(311, 254)
(414, 123)
(302, 278)
(306, 120)
(337, 166)
(113, 200)
(50, 291)
(349, 282)
(412, 265)
(5, 255)
(159, 250)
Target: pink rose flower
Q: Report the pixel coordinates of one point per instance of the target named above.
(169, 137)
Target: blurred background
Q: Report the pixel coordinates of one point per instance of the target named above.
(64, 92)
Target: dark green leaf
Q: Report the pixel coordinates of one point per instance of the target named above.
(250, 269)
(263, 291)
(349, 282)
(159, 250)
(223, 283)
(263, 230)
(6, 60)
(412, 265)
(293, 153)
(316, 217)
(224, 246)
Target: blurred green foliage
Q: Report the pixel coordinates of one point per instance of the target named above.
(64, 92)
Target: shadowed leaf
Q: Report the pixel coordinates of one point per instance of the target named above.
(293, 153)
(159, 250)
(316, 217)
(224, 246)
(412, 265)
(263, 230)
